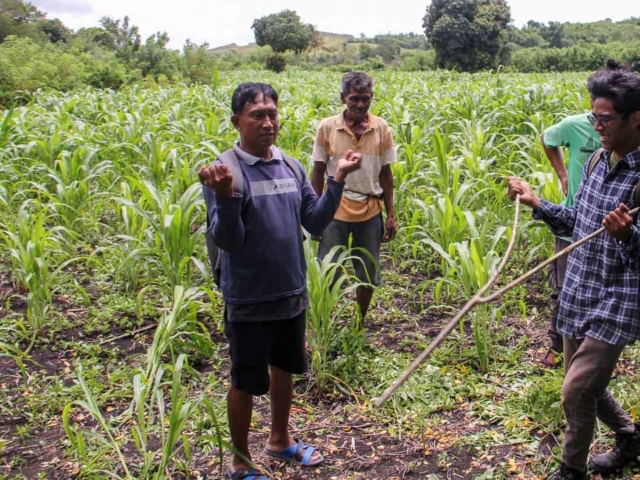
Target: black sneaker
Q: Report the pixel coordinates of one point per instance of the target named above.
(626, 450)
(566, 473)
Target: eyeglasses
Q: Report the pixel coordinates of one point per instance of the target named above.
(603, 119)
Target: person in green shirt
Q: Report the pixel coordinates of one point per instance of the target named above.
(576, 133)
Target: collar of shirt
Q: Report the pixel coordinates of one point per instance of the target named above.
(342, 123)
(249, 159)
(632, 158)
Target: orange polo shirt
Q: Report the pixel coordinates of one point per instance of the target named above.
(362, 191)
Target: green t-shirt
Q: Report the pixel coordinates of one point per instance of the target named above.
(613, 159)
(578, 135)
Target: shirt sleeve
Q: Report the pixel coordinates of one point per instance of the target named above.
(320, 146)
(225, 220)
(630, 251)
(316, 213)
(560, 219)
(388, 150)
(556, 136)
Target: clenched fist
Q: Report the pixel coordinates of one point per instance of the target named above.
(218, 177)
(619, 223)
(350, 163)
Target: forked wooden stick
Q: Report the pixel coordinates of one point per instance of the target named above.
(561, 253)
(479, 299)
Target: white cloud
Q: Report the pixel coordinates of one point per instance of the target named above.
(220, 22)
(77, 7)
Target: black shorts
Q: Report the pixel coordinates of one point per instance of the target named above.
(253, 346)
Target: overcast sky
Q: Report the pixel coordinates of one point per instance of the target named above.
(220, 22)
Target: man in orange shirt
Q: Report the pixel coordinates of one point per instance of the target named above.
(360, 212)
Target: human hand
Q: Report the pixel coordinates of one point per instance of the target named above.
(618, 223)
(522, 188)
(350, 163)
(391, 229)
(218, 177)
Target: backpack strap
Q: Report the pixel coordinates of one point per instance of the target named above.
(595, 160)
(230, 159)
(294, 167)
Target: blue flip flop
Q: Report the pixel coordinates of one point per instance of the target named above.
(299, 453)
(250, 474)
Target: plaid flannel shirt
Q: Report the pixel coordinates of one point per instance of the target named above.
(601, 292)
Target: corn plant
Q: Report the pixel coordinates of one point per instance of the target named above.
(149, 418)
(470, 264)
(72, 186)
(5, 127)
(328, 284)
(443, 221)
(16, 355)
(31, 246)
(173, 229)
(77, 439)
(131, 235)
(153, 420)
(179, 328)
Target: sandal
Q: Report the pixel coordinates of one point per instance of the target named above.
(299, 453)
(249, 474)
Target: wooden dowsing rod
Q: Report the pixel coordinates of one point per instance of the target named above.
(479, 299)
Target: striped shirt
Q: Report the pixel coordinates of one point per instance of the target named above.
(360, 199)
(601, 292)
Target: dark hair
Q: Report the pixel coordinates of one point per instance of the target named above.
(621, 87)
(248, 92)
(358, 81)
(612, 64)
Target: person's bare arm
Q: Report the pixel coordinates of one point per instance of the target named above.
(317, 177)
(386, 182)
(554, 154)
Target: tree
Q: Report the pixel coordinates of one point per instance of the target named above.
(199, 63)
(283, 31)
(154, 59)
(19, 18)
(366, 51)
(317, 43)
(124, 38)
(467, 34)
(19, 11)
(92, 37)
(55, 30)
(388, 49)
(554, 34)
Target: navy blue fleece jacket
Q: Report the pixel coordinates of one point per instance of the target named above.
(259, 231)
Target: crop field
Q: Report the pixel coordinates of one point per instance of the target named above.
(113, 361)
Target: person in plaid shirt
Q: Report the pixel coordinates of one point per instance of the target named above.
(600, 303)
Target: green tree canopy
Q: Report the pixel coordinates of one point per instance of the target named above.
(283, 31)
(467, 34)
(123, 37)
(19, 11)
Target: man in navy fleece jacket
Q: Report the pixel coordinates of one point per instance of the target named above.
(263, 276)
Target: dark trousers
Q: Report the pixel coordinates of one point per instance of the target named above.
(589, 364)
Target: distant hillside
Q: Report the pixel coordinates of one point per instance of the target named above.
(332, 41)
